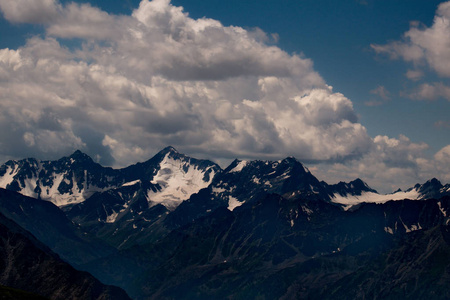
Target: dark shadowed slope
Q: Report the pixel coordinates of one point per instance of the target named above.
(29, 265)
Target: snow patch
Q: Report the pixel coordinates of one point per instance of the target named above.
(268, 183)
(388, 230)
(29, 187)
(131, 183)
(217, 190)
(371, 197)
(313, 189)
(178, 181)
(9, 176)
(239, 166)
(444, 213)
(50, 192)
(412, 228)
(112, 217)
(233, 203)
(74, 196)
(307, 210)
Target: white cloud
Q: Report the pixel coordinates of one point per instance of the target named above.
(414, 75)
(390, 164)
(432, 91)
(26, 11)
(86, 22)
(425, 45)
(382, 92)
(442, 161)
(158, 77)
(443, 156)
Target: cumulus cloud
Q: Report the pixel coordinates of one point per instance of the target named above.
(382, 92)
(425, 48)
(425, 45)
(86, 22)
(25, 11)
(442, 161)
(135, 84)
(414, 75)
(383, 95)
(443, 156)
(431, 91)
(138, 83)
(390, 164)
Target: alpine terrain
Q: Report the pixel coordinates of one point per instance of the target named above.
(176, 227)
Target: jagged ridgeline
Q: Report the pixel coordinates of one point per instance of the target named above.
(176, 227)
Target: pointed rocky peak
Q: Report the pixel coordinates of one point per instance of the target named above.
(359, 185)
(236, 166)
(271, 173)
(169, 149)
(246, 180)
(399, 190)
(432, 183)
(433, 188)
(165, 159)
(430, 189)
(23, 163)
(79, 156)
(171, 153)
(355, 187)
(290, 160)
(266, 167)
(295, 164)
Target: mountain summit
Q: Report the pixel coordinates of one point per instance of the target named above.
(170, 177)
(73, 179)
(174, 225)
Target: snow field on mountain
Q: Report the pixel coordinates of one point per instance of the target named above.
(371, 197)
(177, 184)
(233, 203)
(241, 165)
(9, 176)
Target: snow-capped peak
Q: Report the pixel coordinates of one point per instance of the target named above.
(179, 178)
(239, 166)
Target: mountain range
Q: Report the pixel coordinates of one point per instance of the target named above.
(176, 227)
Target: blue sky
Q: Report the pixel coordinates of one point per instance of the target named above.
(337, 36)
(399, 125)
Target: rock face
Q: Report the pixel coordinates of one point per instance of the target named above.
(294, 249)
(177, 227)
(50, 225)
(66, 181)
(28, 265)
(172, 178)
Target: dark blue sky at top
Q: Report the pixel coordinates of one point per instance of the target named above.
(336, 35)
